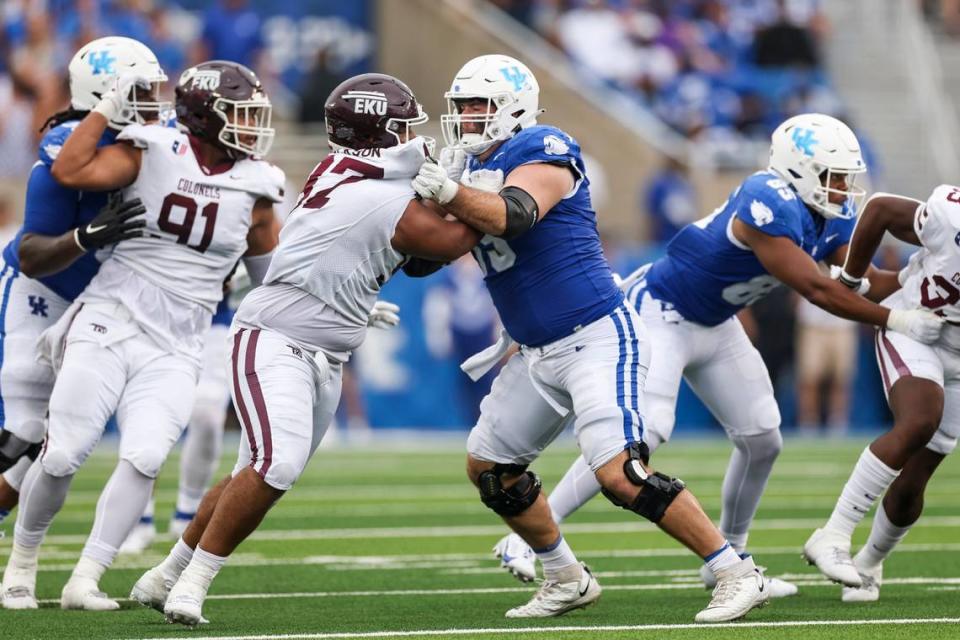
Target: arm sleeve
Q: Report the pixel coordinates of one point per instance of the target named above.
(50, 208)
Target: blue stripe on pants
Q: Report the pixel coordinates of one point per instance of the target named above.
(621, 371)
(635, 404)
(3, 323)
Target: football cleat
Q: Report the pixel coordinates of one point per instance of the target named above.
(140, 538)
(151, 589)
(517, 557)
(869, 590)
(740, 588)
(185, 603)
(830, 552)
(778, 588)
(85, 594)
(19, 587)
(556, 598)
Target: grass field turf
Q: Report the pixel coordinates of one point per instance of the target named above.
(390, 541)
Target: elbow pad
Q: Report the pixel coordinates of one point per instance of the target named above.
(522, 212)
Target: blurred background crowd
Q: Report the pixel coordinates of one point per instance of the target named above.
(720, 73)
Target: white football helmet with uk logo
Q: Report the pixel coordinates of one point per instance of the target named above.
(512, 95)
(809, 150)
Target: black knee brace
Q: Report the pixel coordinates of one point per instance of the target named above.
(13, 448)
(513, 500)
(657, 490)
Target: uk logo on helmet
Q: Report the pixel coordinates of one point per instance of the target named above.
(102, 62)
(372, 102)
(805, 140)
(514, 75)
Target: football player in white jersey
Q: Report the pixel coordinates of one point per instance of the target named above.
(131, 344)
(356, 223)
(921, 382)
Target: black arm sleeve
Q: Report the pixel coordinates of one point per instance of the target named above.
(421, 267)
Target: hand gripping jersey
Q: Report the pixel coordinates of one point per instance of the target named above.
(52, 210)
(708, 275)
(554, 278)
(335, 250)
(171, 279)
(931, 279)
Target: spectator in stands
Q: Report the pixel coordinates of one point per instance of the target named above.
(670, 200)
(826, 353)
(785, 43)
(231, 31)
(319, 82)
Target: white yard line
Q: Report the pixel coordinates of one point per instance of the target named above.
(574, 629)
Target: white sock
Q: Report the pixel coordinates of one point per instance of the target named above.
(747, 473)
(556, 557)
(884, 536)
(41, 497)
(119, 508)
(21, 556)
(577, 486)
(88, 569)
(203, 568)
(722, 558)
(869, 480)
(176, 561)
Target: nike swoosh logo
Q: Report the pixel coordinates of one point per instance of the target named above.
(583, 591)
(830, 238)
(93, 229)
(578, 347)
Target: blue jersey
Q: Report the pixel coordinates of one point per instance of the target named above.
(52, 209)
(553, 279)
(708, 275)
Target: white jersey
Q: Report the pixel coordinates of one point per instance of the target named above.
(335, 250)
(171, 279)
(931, 280)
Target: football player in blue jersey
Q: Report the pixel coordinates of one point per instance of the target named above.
(773, 229)
(52, 257)
(584, 350)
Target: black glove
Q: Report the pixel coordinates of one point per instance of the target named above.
(113, 224)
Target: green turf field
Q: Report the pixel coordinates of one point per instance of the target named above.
(378, 543)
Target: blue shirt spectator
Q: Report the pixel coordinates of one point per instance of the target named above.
(671, 201)
(231, 31)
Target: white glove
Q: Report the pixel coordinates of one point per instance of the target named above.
(453, 161)
(384, 315)
(860, 285)
(919, 324)
(432, 183)
(116, 101)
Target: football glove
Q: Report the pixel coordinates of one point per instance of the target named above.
(117, 221)
(115, 103)
(918, 324)
(384, 315)
(432, 183)
(453, 161)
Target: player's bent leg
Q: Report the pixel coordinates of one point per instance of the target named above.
(629, 483)
(917, 405)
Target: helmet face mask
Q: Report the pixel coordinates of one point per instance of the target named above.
(511, 93)
(819, 156)
(246, 125)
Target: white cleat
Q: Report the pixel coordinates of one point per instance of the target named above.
(517, 557)
(869, 590)
(19, 583)
(556, 598)
(777, 587)
(19, 587)
(85, 594)
(830, 552)
(140, 538)
(185, 603)
(739, 589)
(151, 589)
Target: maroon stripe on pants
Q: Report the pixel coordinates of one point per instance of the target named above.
(241, 405)
(883, 364)
(257, 394)
(895, 358)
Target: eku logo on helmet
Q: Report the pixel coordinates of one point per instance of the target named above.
(206, 80)
(372, 102)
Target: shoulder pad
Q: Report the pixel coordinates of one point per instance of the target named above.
(53, 140)
(143, 135)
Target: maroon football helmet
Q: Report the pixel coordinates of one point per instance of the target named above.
(370, 111)
(224, 103)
